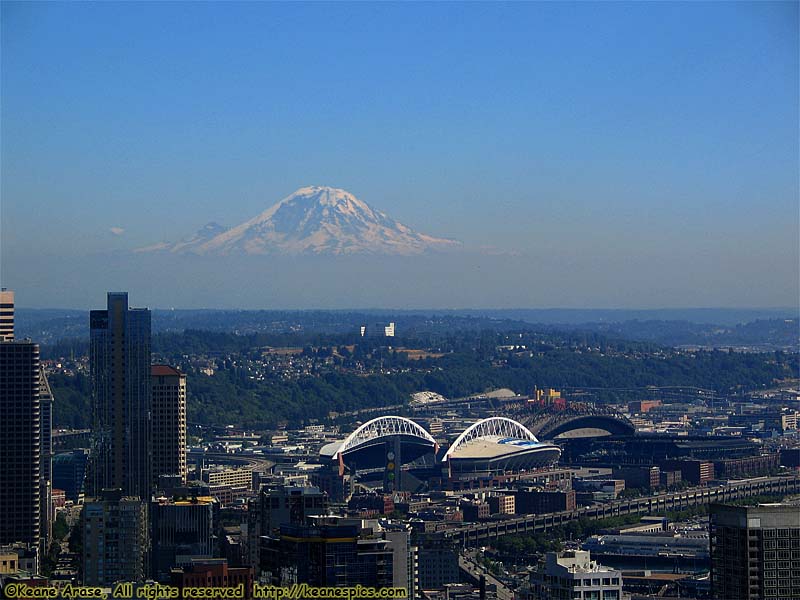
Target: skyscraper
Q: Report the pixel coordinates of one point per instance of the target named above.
(755, 551)
(119, 357)
(20, 439)
(182, 528)
(327, 551)
(405, 558)
(46, 459)
(283, 505)
(169, 422)
(115, 539)
(69, 473)
(6, 314)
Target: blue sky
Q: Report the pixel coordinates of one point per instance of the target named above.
(636, 154)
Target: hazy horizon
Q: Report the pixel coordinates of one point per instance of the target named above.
(454, 309)
(288, 283)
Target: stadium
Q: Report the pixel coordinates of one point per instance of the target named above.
(498, 445)
(492, 446)
(369, 446)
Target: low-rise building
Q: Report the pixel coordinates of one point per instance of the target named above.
(212, 573)
(572, 575)
(610, 488)
(669, 478)
(543, 501)
(694, 471)
(475, 510)
(502, 504)
(748, 466)
(226, 485)
(643, 406)
(644, 477)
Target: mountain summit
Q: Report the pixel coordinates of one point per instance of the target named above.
(312, 220)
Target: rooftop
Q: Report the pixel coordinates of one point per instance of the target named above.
(575, 561)
(164, 371)
(495, 446)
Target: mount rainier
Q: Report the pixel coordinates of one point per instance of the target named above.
(313, 220)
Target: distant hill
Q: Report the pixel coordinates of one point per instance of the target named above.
(771, 328)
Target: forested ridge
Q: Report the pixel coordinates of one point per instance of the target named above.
(471, 363)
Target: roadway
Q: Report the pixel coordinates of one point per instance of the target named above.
(477, 534)
(473, 571)
(235, 460)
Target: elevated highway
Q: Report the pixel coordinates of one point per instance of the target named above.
(473, 535)
(254, 462)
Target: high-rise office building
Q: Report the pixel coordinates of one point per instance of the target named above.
(438, 562)
(115, 539)
(283, 505)
(755, 551)
(69, 473)
(405, 559)
(169, 421)
(6, 314)
(20, 443)
(119, 358)
(46, 460)
(328, 551)
(182, 530)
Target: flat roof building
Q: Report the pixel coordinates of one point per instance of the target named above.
(182, 531)
(169, 421)
(572, 575)
(6, 315)
(115, 539)
(20, 443)
(119, 360)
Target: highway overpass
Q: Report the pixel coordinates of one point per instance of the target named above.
(481, 534)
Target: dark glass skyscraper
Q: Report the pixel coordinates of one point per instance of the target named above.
(119, 356)
(20, 440)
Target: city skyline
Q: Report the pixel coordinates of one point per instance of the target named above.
(428, 300)
(587, 155)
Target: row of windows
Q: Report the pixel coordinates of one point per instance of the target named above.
(785, 532)
(772, 544)
(782, 554)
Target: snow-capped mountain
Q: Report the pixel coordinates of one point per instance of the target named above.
(312, 220)
(205, 233)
